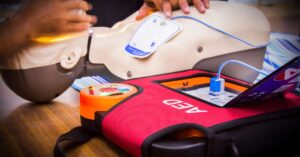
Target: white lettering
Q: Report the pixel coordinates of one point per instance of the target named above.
(180, 105)
(195, 110)
(171, 101)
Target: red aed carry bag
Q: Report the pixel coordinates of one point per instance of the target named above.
(162, 120)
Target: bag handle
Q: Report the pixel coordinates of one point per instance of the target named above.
(234, 151)
(78, 135)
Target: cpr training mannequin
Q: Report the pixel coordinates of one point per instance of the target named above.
(43, 72)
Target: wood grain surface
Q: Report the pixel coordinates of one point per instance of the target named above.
(30, 130)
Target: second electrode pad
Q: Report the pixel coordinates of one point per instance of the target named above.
(150, 35)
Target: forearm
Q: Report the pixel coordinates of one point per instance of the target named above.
(38, 18)
(14, 35)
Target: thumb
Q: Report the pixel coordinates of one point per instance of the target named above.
(144, 11)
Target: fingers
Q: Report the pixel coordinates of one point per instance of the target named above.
(82, 18)
(183, 4)
(62, 27)
(167, 8)
(206, 4)
(144, 11)
(174, 3)
(78, 4)
(199, 6)
(57, 17)
(75, 16)
(67, 28)
(76, 27)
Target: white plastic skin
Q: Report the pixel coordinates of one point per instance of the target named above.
(46, 54)
(181, 52)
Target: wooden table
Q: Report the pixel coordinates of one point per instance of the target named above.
(31, 130)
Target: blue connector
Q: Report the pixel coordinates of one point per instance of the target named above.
(217, 86)
(217, 83)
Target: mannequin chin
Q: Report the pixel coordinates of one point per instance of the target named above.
(43, 72)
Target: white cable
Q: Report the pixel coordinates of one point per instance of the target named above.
(219, 30)
(240, 63)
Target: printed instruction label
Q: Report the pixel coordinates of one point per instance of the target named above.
(150, 35)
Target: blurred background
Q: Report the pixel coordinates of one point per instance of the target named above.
(284, 15)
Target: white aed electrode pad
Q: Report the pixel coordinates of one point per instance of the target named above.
(150, 35)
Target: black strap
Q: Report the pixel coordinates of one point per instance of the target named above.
(234, 151)
(78, 135)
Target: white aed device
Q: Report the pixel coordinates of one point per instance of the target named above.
(150, 35)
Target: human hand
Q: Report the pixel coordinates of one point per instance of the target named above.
(166, 6)
(54, 17)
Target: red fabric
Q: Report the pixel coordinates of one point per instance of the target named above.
(129, 124)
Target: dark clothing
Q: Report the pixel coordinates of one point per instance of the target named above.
(111, 11)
